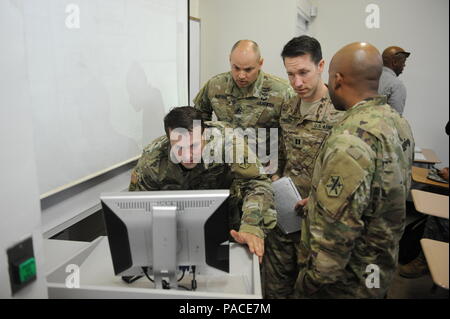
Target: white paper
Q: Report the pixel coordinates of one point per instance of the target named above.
(419, 157)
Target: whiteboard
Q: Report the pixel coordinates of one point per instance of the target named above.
(102, 75)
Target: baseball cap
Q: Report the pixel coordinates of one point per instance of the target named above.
(407, 54)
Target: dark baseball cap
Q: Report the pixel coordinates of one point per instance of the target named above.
(394, 50)
(407, 54)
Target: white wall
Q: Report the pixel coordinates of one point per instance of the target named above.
(19, 195)
(271, 23)
(418, 26)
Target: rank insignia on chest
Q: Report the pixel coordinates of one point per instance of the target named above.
(334, 186)
(297, 141)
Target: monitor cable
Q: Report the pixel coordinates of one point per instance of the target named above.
(165, 284)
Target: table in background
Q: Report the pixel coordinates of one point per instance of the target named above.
(436, 254)
(430, 157)
(430, 203)
(420, 174)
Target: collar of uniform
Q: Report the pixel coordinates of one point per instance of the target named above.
(390, 71)
(314, 112)
(254, 90)
(371, 101)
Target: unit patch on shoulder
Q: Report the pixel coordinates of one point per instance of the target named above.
(334, 186)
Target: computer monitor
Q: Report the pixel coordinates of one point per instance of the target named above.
(164, 230)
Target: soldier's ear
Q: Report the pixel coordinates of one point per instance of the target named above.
(338, 80)
(261, 62)
(321, 65)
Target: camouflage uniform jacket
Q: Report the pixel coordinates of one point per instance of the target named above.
(302, 135)
(257, 106)
(250, 191)
(356, 211)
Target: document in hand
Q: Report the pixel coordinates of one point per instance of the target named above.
(286, 196)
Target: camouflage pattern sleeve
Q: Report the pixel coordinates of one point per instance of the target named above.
(258, 208)
(144, 177)
(282, 156)
(340, 194)
(141, 180)
(255, 190)
(203, 103)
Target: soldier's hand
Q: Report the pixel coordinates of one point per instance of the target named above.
(301, 203)
(254, 243)
(444, 173)
(275, 177)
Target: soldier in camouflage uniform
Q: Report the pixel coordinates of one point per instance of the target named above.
(355, 214)
(251, 193)
(245, 97)
(305, 123)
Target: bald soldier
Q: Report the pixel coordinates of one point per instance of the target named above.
(356, 210)
(177, 161)
(394, 59)
(305, 122)
(245, 97)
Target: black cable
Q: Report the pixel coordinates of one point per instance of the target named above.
(130, 279)
(193, 282)
(146, 274)
(166, 285)
(182, 276)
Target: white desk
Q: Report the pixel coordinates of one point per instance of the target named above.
(430, 203)
(97, 279)
(436, 253)
(428, 157)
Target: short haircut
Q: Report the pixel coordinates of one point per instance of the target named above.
(302, 45)
(255, 47)
(182, 117)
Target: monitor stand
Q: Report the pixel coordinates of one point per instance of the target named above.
(164, 241)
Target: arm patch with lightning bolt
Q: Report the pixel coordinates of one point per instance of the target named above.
(343, 171)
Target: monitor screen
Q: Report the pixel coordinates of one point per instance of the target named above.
(164, 230)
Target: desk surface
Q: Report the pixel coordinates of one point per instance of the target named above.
(97, 279)
(436, 253)
(430, 157)
(58, 251)
(430, 203)
(420, 174)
